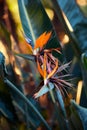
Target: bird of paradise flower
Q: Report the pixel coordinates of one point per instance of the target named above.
(48, 66)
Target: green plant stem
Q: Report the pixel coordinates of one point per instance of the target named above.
(12, 86)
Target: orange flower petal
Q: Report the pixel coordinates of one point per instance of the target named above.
(42, 40)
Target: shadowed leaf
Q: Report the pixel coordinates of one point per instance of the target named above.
(6, 109)
(62, 107)
(5, 35)
(84, 59)
(82, 112)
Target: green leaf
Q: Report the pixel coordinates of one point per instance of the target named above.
(59, 7)
(6, 107)
(35, 22)
(79, 24)
(61, 102)
(24, 111)
(51, 92)
(34, 118)
(3, 70)
(82, 113)
(62, 107)
(84, 59)
(84, 70)
(27, 101)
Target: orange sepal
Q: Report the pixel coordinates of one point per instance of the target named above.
(42, 40)
(39, 69)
